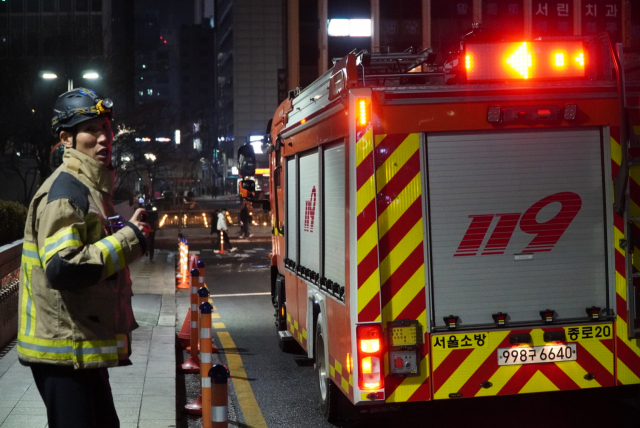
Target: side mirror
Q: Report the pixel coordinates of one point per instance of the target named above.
(246, 161)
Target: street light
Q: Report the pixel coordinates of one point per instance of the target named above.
(88, 75)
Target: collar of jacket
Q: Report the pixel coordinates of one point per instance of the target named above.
(99, 176)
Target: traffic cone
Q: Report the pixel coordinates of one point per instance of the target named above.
(184, 337)
(222, 251)
(192, 365)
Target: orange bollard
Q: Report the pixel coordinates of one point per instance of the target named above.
(201, 265)
(192, 365)
(222, 251)
(183, 255)
(219, 376)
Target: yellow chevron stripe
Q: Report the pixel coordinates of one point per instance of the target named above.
(365, 195)
(393, 212)
(404, 296)
(401, 251)
(617, 236)
(538, 383)
(499, 380)
(616, 151)
(378, 138)
(397, 159)
(368, 290)
(367, 242)
(472, 363)
(364, 146)
(577, 374)
(599, 352)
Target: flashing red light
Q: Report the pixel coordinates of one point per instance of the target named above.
(537, 59)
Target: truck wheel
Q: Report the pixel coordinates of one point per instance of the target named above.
(329, 393)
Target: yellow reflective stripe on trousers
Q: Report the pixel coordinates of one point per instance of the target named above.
(112, 252)
(45, 348)
(67, 237)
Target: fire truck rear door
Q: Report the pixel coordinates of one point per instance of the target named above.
(518, 223)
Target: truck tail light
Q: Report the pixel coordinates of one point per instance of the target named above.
(370, 367)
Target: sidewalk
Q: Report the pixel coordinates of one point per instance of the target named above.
(144, 393)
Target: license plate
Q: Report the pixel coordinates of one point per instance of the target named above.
(537, 354)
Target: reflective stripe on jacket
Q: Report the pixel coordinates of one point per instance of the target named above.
(75, 292)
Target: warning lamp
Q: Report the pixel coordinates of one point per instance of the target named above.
(547, 315)
(593, 312)
(451, 321)
(500, 318)
(349, 363)
(536, 59)
(363, 112)
(370, 363)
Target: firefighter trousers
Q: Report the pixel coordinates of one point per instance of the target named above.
(76, 398)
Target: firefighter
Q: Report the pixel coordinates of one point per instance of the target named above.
(75, 293)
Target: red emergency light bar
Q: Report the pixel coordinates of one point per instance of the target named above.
(533, 60)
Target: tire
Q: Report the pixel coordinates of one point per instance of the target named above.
(328, 392)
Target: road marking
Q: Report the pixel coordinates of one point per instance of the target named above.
(215, 315)
(266, 293)
(248, 404)
(219, 325)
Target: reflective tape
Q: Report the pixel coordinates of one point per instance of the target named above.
(219, 413)
(194, 307)
(201, 279)
(205, 382)
(205, 333)
(194, 290)
(194, 324)
(205, 358)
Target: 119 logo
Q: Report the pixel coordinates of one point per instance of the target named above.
(546, 234)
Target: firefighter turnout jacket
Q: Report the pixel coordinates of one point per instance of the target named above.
(75, 291)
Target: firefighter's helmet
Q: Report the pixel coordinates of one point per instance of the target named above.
(79, 105)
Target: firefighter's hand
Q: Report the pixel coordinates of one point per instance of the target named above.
(139, 221)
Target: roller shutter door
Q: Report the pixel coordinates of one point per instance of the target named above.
(517, 224)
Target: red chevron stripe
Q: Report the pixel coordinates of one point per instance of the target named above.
(387, 146)
(609, 344)
(391, 383)
(628, 357)
(621, 305)
(423, 393)
(593, 366)
(364, 171)
(413, 310)
(634, 190)
(614, 169)
(518, 380)
(399, 278)
(401, 227)
(620, 263)
(401, 179)
(367, 266)
(485, 371)
(614, 132)
(448, 367)
(370, 312)
(366, 218)
(557, 376)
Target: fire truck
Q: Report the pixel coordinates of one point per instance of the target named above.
(459, 231)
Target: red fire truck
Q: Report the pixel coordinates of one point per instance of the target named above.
(459, 231)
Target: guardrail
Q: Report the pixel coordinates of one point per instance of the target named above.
(196, 219)
(10, 255)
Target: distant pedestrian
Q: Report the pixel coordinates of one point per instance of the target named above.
(245, 220)
(222, 227)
